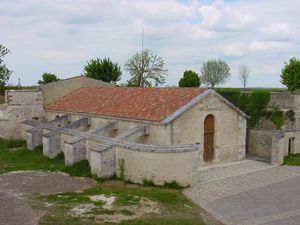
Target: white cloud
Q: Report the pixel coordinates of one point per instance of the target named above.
(48, 35)
(235, 49)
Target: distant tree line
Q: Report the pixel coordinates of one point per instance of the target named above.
(147, 70)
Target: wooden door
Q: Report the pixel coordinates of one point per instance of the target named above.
(209, 130)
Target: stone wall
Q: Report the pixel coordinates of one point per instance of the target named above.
(285, 100)
(59, 89)
(20, 105)
(260, 143)
(274, 145)
(230, 129)
(158, 167)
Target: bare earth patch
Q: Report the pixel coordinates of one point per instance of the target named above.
(15, 187)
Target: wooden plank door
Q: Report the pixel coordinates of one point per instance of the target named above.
(209, 130)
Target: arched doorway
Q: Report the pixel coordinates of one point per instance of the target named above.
(209, 130)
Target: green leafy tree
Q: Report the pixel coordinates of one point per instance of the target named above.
(290, 74)
(103, 69)
(189, 79)
(47, 78)
(146, 68)
(4, 71)
(214, 72)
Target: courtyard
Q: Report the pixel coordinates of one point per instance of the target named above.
(268, 195)
(37, 190)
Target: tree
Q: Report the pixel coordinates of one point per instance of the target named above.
(146, 68)
(290, 74)
(103, 69)
(244, 72)
(47, 78)
(214, 72)
(189, 79)
(4, 71)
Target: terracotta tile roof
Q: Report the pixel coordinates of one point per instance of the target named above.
(153, 104)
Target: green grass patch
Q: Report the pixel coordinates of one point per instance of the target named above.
(175, 208)
(14, 156)
(292, 160)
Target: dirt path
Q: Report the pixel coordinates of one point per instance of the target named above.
(14, 187)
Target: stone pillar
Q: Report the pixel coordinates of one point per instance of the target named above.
(75, 150)
(103, 161)
(51, 144)
(277, 154)
(34, 137)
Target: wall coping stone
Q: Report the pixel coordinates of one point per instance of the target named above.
(117, 142)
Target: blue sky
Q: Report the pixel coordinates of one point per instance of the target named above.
(59, 36)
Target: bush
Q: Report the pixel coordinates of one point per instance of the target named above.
(290, 115)
(148, 183)
(172, 185)
(277, 117)
(79, 169)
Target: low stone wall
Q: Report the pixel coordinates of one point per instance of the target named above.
(274, 145)
(159, 167)
(23, 97)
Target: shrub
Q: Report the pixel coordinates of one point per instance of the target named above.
(277, 117)
(172, 185)
(148, 183)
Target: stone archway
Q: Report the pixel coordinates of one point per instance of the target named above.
(209, 131)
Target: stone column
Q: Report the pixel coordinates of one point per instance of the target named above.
(75, 150)
(34, 137)
(51, 144)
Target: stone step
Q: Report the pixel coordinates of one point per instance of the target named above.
(223, 171)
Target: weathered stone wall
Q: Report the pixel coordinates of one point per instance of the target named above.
(260, 143)
(230, 129)
(59, 89)
(285, 100)
(23, 97)
(274, 145)
(20, 105)
(159, 167)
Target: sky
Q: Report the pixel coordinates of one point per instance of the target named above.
(60, 36)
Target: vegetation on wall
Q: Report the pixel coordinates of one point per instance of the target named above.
(253, 104)
(290, 115)
(276, 115)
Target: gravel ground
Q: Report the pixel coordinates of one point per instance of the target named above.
(15, 187)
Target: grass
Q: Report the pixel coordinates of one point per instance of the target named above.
(292, 160)
(174, 207)
(14, 156)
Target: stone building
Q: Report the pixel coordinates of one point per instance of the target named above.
(159, 134)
